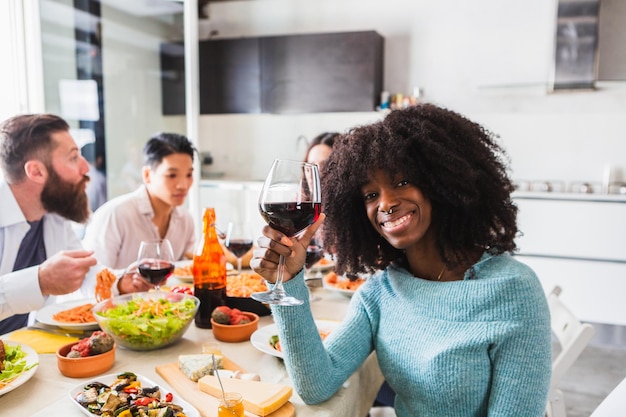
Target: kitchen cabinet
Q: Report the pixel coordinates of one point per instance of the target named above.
(229, 76)
(578, 243)
(327, 72)
(172, 78)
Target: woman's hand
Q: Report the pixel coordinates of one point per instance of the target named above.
(274, 243)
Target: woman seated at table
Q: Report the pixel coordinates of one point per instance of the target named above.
(320, 148)
(459, 326)
(154, 211)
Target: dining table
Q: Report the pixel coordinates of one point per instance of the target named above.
(47, 393)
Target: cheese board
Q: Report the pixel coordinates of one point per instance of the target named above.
(205, 403)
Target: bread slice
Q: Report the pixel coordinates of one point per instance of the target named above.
(260, 398)
(197, 366)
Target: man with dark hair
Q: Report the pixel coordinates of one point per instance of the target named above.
(43, 190)
(152, 212)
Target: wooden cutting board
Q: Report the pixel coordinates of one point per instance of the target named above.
(205, 403)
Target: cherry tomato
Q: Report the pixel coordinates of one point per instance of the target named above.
(169, 397)
(182, 289)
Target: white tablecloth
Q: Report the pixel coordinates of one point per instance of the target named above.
(46, 393)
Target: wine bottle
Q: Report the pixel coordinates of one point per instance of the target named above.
(209, 271)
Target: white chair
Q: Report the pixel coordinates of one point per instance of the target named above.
(614, 404)
(573, 336)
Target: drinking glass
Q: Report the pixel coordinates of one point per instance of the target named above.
(290, 201)
(314, 252)
(155, 261)
(231, 405)
(238, 240)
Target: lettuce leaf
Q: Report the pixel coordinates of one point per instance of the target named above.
(14, 364)
(146, 323)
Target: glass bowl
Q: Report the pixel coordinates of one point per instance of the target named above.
(146, 320)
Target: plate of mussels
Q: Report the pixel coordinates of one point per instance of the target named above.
(115, 393)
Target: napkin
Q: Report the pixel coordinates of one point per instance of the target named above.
(41, 341)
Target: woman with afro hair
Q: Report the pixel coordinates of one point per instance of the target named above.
(422, 200)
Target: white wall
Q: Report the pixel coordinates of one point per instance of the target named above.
(488, 59)
(13, 97)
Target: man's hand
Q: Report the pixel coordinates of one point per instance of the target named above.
(65, 271)
(133, 282)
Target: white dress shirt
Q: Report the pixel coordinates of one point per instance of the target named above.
(117, 228)
(19, 290)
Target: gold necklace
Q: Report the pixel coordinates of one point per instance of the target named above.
(441, 273)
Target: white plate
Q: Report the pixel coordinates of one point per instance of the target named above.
(190, 411)
(31, 357)
(45, 315)
(326, 265)
(344, 292)
(260, 339)
(182, 264)
(189, 278)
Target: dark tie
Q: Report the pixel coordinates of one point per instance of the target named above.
(31, 253)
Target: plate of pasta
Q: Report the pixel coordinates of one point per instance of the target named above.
(342, 284)
(183, 270)
(71, 315)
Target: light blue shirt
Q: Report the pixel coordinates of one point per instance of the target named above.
(476, 347)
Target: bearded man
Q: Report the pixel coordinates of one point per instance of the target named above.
(42, 192)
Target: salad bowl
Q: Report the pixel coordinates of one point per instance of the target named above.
(146, 320)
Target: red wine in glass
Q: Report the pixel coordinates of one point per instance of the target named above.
(155, 261)
(290, 218)
(290, 201)
(239, 247)
(155, 270)
(313, 254)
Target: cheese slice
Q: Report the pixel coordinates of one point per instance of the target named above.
(197, 366)
(260, 398)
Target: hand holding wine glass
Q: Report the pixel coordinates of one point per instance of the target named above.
(290, 201)
(155, 261)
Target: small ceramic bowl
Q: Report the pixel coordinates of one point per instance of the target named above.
(84, 367)
(235, 332)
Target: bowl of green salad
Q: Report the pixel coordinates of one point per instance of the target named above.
(146, 320)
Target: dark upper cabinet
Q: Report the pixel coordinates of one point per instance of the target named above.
(172, 78)
(329, 72)
(230, 76)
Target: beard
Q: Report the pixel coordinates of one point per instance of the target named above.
(66, 199)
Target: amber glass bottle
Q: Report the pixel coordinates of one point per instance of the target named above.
(209, 271)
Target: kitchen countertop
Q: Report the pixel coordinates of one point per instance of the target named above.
(544, 195)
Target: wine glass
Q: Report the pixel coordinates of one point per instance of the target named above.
(290, 201)
(155, 261)
(314, 252)
(238, 240)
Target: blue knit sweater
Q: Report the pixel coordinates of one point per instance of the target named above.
(476, 347)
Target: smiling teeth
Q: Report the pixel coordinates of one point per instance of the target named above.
(396, 222)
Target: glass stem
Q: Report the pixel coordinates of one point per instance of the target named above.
(239, 265)
(278, 285)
